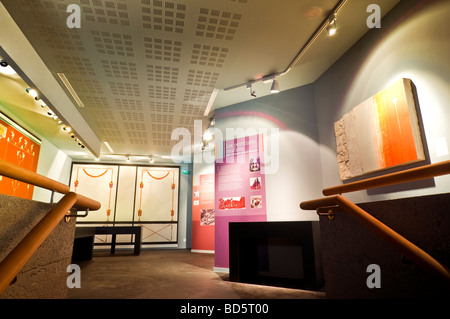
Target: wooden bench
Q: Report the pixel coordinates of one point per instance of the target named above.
(84, 239)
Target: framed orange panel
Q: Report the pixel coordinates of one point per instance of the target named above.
(21, 148)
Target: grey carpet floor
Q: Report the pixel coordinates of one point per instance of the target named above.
(168, 274)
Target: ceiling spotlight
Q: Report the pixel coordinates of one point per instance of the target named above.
(275, 86)
(108, 146)
(252, 93)
(5, 68)
(66, 128)
(207, 136)
(32, 92)
(151, 159)
(331, 28)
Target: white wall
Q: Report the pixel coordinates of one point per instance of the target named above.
(291, 147)
(54, 164)
(413, 43)
(185, 207)
(184, 200)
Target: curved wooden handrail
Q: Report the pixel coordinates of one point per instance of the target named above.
(11, 265)
(410, 175)
(411, 251)
(26, 176)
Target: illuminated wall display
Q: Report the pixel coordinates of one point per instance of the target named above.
(380, 133)
(145, 196)
(19, 147)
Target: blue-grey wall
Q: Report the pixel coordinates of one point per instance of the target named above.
(289, 124)
(413, 42)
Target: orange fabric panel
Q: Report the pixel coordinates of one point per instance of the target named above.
(20, 150)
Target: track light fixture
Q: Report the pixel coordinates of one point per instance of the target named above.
(328, 24)
(275, 86)
(32, 92)
(331, 28)
(5, 68)
(252, 93)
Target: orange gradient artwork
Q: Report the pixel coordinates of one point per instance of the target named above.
(380, 133)
(395, 132)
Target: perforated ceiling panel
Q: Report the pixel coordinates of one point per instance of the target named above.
(145, 67)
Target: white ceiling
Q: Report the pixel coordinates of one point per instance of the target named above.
(145, 67)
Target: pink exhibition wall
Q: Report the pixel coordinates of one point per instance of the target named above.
(239, 189)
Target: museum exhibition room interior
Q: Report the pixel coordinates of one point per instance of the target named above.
(227, 149)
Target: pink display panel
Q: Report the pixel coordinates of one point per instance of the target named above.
(239, 189)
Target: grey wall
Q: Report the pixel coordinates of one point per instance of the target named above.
(55, 164)
(413, 43)
(288, 122)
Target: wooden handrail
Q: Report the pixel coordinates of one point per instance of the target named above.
(410, 175)
(11, 265)
(411, 251)
(26, 176)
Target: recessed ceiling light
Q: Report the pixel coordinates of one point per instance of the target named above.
(108, 146)
(70, 89)
(211, 101)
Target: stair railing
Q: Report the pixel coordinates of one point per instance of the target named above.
(328, 205)
(11, 265)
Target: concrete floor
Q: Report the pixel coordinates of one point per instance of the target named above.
(168, 274)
